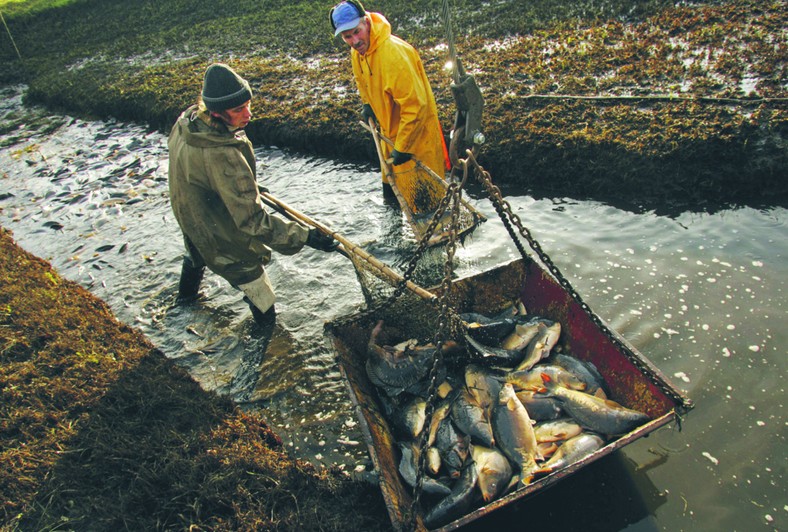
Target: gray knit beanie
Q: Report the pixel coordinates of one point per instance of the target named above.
(223, 88)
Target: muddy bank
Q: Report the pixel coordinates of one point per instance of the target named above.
(98, 430)
(659, 107)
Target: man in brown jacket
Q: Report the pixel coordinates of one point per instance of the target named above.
(216, 200)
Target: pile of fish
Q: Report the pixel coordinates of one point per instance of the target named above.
(515, 409)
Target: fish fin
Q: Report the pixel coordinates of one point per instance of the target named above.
(444, 389)
(511, 405)
(549, 383)
(513, 483)
(548, 448)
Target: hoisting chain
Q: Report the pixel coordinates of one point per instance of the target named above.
(448, 320)
(455, 67)
(508, 217)
(466, 132)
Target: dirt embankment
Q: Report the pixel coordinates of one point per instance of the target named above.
(99, 431)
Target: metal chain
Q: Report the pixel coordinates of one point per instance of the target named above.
(443, 331)
(508, 217)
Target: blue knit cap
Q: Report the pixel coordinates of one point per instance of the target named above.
(345, 16)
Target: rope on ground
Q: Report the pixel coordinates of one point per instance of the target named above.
(656, 97)
(10, 36)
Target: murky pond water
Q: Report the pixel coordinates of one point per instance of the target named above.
(702, 296)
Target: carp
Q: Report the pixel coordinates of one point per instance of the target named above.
(571, 451)
(433, 460)
(409, 466)
(494, 470)
(531, 379)
(525, 332)
(557, 430)
(401, 368)
(441, 412)
(410, 419)
(603, 416)
(453, 447)
(585, 371)
(471, 418)
(539, 406)
(484, 385)
(514, 433)
(541, 344)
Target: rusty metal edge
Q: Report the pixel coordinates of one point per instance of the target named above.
(538, 486)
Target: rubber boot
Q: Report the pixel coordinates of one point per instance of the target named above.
(262, 319)
(189, 284)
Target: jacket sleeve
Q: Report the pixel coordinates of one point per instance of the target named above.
(235, 184)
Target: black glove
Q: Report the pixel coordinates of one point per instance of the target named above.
(322, 242)
(399, 157)
(367, 113)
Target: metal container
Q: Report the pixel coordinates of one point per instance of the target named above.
(633, 380)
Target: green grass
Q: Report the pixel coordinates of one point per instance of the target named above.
(118, 29)
(23, 8)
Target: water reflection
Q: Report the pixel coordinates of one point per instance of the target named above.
(701, 295)
(584, 501)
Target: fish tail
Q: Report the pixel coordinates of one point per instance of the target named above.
(527, 478)
(547, 448)
(527, 472)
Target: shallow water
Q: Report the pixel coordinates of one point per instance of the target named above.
(701, 295)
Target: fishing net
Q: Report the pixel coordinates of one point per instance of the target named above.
(419, 193)
(409, 308)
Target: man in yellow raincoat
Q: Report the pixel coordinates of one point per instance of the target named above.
(394, 90)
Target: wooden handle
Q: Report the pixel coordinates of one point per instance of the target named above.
(349, 247)
(388, 171)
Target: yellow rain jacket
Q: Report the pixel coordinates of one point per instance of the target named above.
(391, 79)
(214, 196)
